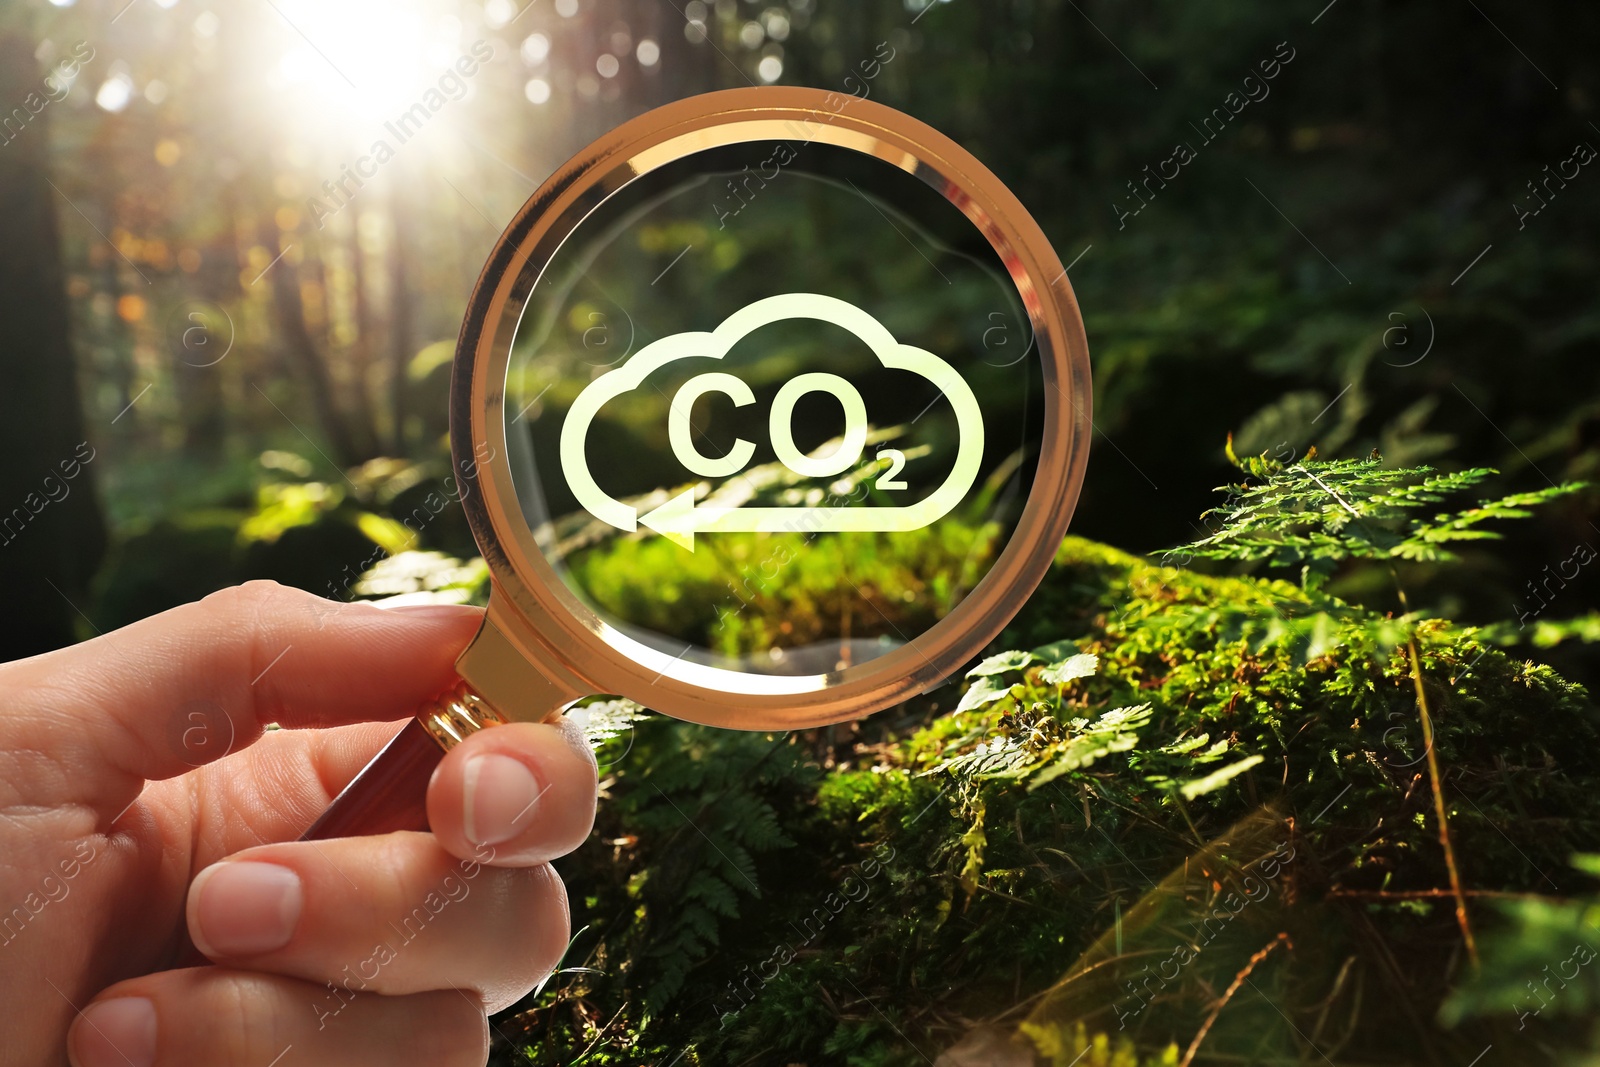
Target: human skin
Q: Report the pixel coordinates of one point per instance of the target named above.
(117, 852)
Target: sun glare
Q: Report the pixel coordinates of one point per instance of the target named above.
(362, 61)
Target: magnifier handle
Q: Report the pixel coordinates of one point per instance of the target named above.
(391, 792)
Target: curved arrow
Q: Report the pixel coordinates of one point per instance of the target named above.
(679, 519)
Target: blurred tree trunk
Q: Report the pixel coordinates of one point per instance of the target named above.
(402, 343)
(361, 349)
(304, 355)
(200, 339)
(52, 533)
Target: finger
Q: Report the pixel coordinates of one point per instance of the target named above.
(392, 914)
(182, 688)
(515, 795)
(300, 770)
(223, 1018)
(269, 792)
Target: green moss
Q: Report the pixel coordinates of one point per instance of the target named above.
(876, 894)
(787, 590)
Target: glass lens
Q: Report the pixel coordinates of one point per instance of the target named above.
(774, 408)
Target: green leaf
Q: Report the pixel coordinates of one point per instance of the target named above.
(1001, 757)
(1003, 663)
(1199, 787)
(282, 507)
(1187, 745)
(389, 535)
(1115, 731)
(986, 690)
(1080, 666)
(1587, 862)
(1083, 751)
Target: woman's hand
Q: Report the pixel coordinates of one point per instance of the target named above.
(142, 806)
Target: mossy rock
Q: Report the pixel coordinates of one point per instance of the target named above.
(1244, 851)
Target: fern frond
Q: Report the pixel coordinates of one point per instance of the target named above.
(1315, 514)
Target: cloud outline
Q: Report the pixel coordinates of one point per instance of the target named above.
(678, 519)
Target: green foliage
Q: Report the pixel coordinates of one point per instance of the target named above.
(693, 824)
(1197, 327)
(1063, 1048)
(386, 520)
(1199, 787)
(1539, 962)
(431, 577)
(1315, 514)
(1034, 742)
(710, 802)
(787, 588)
(976, 886)
(1546, 633)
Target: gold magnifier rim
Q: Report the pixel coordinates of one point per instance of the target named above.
(567, 640)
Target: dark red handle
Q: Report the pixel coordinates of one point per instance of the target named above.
(390, 793)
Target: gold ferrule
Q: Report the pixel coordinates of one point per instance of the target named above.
(456, 714)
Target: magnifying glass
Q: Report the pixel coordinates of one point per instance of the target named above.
(769, 411)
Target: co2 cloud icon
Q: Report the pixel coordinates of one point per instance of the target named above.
(679, 519)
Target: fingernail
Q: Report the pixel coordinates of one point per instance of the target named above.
(114, 1033)
(431, 611)
(501, 794)
(245, 908)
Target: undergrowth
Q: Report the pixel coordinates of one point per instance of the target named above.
(1174, 819)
